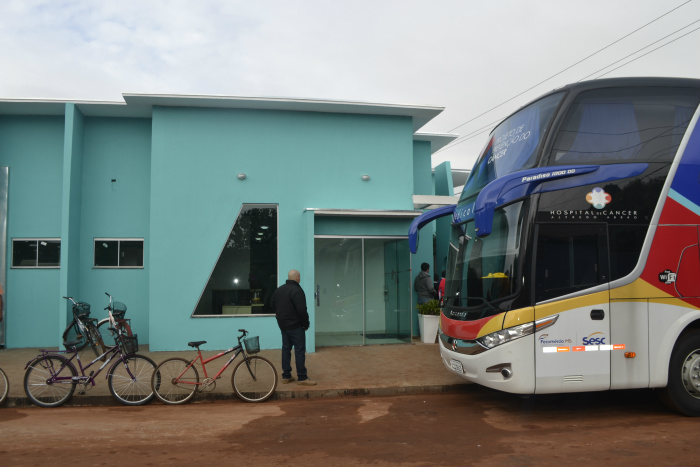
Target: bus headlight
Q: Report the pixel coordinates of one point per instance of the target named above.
(489, 341)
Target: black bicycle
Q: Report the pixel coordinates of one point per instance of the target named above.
(82, 331)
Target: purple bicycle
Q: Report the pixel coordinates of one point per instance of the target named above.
(51, 378)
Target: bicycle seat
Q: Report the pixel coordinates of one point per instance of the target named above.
(196, 343)
(70, 345)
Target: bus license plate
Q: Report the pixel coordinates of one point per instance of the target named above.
(456, 366)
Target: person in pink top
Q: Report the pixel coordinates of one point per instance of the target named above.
(441, 287)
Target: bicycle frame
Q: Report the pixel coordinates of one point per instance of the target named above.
(238, 349)
(82, 378)
(81, 328)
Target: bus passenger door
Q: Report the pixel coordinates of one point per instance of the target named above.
(571, 277)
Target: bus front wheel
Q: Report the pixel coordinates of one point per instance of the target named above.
(682, 394)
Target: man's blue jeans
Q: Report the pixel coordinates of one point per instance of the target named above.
(294, 338)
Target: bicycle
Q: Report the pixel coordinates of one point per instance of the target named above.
(51, 378)
(4, 386)
(254, 379)
(83, 330)
(115, 320)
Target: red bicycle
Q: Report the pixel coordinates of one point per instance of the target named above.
(176, 380)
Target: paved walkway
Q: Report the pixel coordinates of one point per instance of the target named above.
(369, 370)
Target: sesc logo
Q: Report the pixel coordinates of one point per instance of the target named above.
(597, 338)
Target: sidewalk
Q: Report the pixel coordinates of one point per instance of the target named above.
(377, 370)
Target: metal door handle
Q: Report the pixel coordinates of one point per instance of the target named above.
(317, 295)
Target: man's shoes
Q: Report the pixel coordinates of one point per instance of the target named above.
(306, 382)
(288, 380)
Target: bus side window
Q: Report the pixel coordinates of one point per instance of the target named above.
(626, 243)
(570, 257)
(617, 125)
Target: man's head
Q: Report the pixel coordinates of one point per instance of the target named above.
(424, 267)
(294, 275)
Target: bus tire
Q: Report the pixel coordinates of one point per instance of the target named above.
(682, 394)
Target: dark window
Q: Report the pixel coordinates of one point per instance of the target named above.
(569, 258)
(624, 124)
(36, 253)
(626, 243)
(118, 253)
(245, 275)
(513, 144)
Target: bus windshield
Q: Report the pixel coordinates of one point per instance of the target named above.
(513, 144)
(486, 270)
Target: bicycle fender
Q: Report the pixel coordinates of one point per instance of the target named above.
(39, 357)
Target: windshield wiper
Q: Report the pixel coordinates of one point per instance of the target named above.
(487, 303)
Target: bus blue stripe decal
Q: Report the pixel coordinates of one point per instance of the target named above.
(683, 201)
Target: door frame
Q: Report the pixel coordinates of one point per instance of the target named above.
(4, 190)
(363, 238)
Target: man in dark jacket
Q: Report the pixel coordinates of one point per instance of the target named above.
(423, 284)
(289, 305)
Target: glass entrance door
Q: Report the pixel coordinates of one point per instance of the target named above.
(362, 291)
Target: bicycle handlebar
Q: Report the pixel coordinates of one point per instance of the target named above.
(71, 299)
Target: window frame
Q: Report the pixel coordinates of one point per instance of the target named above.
(119, 240)
(37, 240)
(243, 207)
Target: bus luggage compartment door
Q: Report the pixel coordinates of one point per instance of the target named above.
(574, 354)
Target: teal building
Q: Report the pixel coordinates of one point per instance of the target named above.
(192, 209)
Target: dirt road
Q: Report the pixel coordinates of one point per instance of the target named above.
(480, 427)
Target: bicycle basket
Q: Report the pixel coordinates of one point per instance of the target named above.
(252, 344)
(118, 310)
(82, 309)
(128, 345)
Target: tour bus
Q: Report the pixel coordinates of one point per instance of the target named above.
(573, 263)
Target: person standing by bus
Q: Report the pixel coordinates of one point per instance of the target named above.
(423, 284)
(289, 304)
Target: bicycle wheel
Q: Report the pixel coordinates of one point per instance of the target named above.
(72, 334)
(95, 339)
(107, 335)
(103, 328)
(174, 381)
(129, 380)
(49, 382)
(254, 379)
(4, 386)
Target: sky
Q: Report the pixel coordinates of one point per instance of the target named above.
(480, 60)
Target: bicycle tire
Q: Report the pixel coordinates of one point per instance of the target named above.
(107, 335)
(128, 390)
(37, 381)
(164, 384)
(254, 379)
(95, 339)
(103, 328)
(73, 334)
(4, 386)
